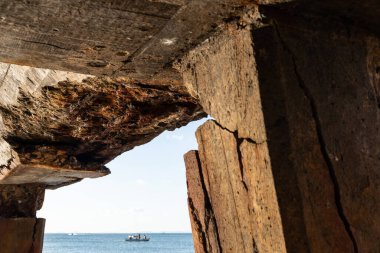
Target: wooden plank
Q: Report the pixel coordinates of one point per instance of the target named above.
(21, 235)
(81, 36)
(222, 73)
(192, 24)
(110, 37)
(229, 197)
(206, 238)
(49, 176)
(263, 203)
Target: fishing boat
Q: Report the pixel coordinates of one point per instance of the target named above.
(137, 238)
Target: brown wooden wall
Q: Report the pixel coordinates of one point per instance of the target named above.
(290, 163)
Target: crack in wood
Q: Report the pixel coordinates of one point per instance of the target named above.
(44, 43)
(5, 76)
(322, 143)
(31, 250)
(198, 223)
(209, 212)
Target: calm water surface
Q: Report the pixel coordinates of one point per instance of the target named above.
(115, 243)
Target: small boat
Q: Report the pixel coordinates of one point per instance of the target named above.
(137, 238)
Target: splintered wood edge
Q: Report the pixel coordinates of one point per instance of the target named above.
(51, 177)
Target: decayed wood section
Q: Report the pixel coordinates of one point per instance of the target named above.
(236, 179)
(21, 200)
(21, 235)
(133, 37)
(205, 231)
(307, 118)
(58, 127)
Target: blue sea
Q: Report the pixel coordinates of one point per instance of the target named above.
(115, 243)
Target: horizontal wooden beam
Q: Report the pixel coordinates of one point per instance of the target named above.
(92, 37)
(49, 176)
(111, 37)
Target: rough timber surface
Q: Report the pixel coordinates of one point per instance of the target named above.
(318, 89)
(341, 116)
(59, 127)
(221, 73)
(108, 37)
(235, 177)
(21, 235)
(205, 231)
(21, 200)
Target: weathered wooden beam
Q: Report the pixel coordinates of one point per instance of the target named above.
(21, 200)
(137, 38)
(92, 37)
(59, 127)
(203, 223)
(21, 231)
(21, 235)
(308, 91)
(50, 177)
(238, 180)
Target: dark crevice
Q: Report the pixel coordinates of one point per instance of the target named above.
(240, 159)
(7, 165)
(255, 249)
(43, 43)
(198, 223)
(208, 207)
(31, 250)
(5, 75)
(322, 143)
(239, 139)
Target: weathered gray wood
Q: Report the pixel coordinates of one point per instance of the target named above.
(84, 36)
(51, 177)
(110, 37)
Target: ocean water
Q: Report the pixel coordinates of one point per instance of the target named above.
(115, 243)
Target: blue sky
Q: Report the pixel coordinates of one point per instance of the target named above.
(146, 192)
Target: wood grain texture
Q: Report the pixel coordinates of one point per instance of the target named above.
(139, 38)
(94, 37)
(205, 231)
(342, 99)
(262, 197)
(223, 180)
(223, 75)
(21, 200)
(240, 186)
(321, 127)
(21, 235)
(52, 121)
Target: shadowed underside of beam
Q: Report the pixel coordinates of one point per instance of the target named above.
(59, 127)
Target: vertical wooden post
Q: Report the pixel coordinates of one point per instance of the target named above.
(290, 162)
(20, 230)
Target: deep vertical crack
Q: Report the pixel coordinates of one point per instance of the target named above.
(322, 143)
(31, 250)
(240, 158)
(198, 223)
(208, 207)
(5, 75)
